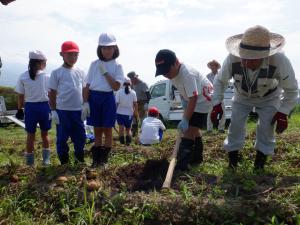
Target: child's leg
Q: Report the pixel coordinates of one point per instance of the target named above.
(108, 137)
(98, 132)
(29, 149)
(46, 150)
(121, 134)
(30, 142)
(62, 135)
(128, 136)
(77, 135)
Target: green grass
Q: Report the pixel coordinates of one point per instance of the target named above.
(208, 194)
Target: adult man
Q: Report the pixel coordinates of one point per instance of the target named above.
(143, 98)
(214, 66)
(195, 91)
(264, 79)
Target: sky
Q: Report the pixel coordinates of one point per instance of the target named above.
(196, 30)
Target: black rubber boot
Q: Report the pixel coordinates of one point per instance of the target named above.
(233, 158)
(134, 129)
(63, 158)
(184, 154)
(260, 160)
(122, 140)
(104, 154)
(79, 156)
(96, 155)
(128, 140)
(197, 151)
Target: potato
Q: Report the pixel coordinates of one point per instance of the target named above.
(61, 180)
(93, 185)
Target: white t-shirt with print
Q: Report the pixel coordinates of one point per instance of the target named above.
(149, 130)
(97, 80)
(125, 101)
(68, 84)
(189, 82)
(33, 90)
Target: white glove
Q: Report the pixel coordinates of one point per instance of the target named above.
(102, 69)
(54, 117)
(85, 111)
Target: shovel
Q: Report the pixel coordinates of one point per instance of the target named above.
(168, 179)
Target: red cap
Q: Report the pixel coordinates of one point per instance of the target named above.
(69, 46)
(153, 111)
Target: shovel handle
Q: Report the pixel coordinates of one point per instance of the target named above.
(168, 179)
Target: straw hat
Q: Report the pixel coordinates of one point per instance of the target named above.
(213, 62)
(256, 43)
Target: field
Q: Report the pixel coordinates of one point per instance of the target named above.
(130, 185)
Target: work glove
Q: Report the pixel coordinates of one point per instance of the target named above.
(281, 122)
(216, 113)
(54, 117)
(85, 111)
(102, 69)
(20, 114)
(183, 125)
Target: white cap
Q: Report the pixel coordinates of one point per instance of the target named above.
(37, 55)
(107, 39)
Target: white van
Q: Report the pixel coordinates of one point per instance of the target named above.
(166, 98)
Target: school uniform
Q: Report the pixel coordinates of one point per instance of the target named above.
(101, 96)
(68, 84)
(37, 110)
(151, 131)
(189, 82)
(125, 106)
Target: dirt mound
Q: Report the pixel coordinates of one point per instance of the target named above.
(141, 177)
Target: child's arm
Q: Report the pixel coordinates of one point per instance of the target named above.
(52, 99)
(20, 101)
(85, 93)
(115, 85)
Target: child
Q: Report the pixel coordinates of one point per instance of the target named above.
(66, 84)
(32, 89)
(105, 76)
(152, 128)
(195, 90)
(126, 106)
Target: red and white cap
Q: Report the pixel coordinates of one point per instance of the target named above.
(37, 55)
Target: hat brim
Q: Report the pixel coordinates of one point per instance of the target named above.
(162, 69)
(108, 44)
(233, 46)
(213, 63)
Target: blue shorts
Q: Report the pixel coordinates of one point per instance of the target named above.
(37, 113)
(124, 120)
(102, 109)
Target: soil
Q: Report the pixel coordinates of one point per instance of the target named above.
(141, 177)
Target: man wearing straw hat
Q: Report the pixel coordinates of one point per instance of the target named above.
(214, 66)
(263, 79)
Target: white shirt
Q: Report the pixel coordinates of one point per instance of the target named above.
(280, 74)
(189, 82)
(149, 130)
(125, 102)
(33, 90)
(96, 79)
(68, 83)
